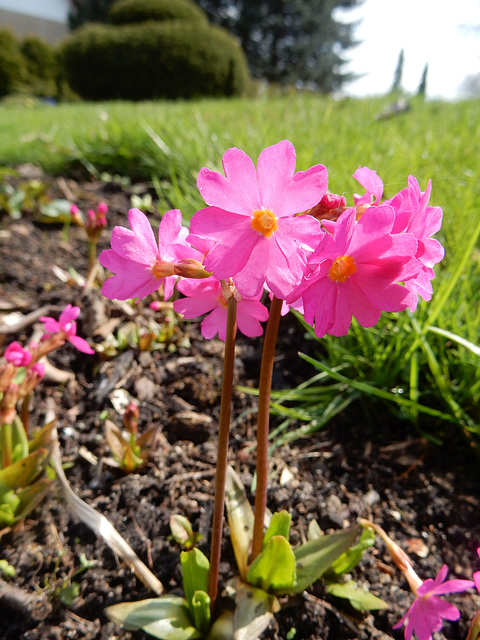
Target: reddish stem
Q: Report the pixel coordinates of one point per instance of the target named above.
(223, 432)
(264, 389)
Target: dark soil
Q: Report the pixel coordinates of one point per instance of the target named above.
(425, 496)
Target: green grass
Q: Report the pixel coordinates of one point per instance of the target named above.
(430, 377)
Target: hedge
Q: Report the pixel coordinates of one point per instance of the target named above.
(132, 11)
(172, 59)
(12, 64)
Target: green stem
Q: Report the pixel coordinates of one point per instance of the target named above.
(264, 389)
(6, 435)
(24, 413)
(221, 470)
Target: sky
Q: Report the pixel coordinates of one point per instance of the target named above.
(432, 31)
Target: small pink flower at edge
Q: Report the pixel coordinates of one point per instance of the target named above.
(413, 215)
(251, 218)
(426, 614)
(17, 355)
(139, 264)
(373, 184)
(205, 296)
(67, 327)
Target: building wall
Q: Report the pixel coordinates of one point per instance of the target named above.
(45, 18)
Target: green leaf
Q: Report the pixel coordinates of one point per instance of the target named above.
(181, 529)
(279, 526)
(254, 609)
(360, 599)
(201, 611)
(274, 569)
(167, 618)
(8, 507)
(56, 211)
(314, 531)
(348, 560)
(23, 472)
(195, 568)
(19, 440)
(240, 519)
(316, 556)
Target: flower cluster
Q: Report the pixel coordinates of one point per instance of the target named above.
(271, 228)
(95, 222)
(27, 361)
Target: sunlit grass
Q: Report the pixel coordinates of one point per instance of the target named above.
(431, 375)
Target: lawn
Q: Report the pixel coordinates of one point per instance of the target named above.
(167, 143)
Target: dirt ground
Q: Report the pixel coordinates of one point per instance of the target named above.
(425, 496)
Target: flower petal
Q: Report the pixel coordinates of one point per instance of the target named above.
(237, 191)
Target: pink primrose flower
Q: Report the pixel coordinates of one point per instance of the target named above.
(205, 296)
(17, 355)
(251, 219)
(39, 369)
(67, 327)
(428, 611)
(373, 185)
(139, 264)
(355, 271)
(413, 215)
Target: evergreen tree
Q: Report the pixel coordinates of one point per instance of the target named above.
(88, 11)
(397, 76)
(289, 41)
(422, 87)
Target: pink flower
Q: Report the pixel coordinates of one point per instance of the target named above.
(355, 271)
(67, 328)
(17, 355)
(251, 219)
(139, 264)
(413, 215)
(427, 612)
(205, 296)
(373, 185)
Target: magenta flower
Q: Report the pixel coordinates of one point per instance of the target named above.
(205, 296)
(413, 215)
(251, 219)
(428, 611)
(355, 271)
(67, 328)
(139, 264)
(17, 355)
(373, 184)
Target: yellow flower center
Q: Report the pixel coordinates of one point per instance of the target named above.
(264, 221)
(162, 269)
(342, 268)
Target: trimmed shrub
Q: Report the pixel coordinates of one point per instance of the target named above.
(12, 64)
(41, 64)
(132, 11)
(172, 59)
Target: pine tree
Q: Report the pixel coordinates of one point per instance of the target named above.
(397, 76)
(422, 87)
(88, 11)
(289, 41)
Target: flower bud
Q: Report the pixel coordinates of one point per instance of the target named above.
(17, 355)
(191, 268)
(7, 374)
(76, 216)
(397, 554)
(8, 404)
(130, 418)
(329, 207)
